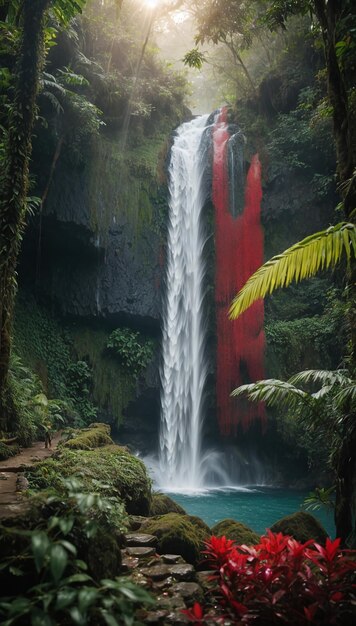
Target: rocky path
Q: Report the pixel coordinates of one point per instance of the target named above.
(174, 583)
(12, 480)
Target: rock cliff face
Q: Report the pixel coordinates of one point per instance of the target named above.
(101, 241)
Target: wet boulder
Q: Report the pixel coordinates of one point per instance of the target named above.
(162, 504)
(176, 534)
(302, 526)
(238, 532)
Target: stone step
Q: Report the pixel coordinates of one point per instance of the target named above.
(172, 559)
(182, 571)
(14, 510)
(190, 592)
(156, 572)
(140, 540)
(141, 552)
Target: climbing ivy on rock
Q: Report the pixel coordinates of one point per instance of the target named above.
(133, 350)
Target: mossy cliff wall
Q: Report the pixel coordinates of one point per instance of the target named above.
(93, 262)
(100, 249)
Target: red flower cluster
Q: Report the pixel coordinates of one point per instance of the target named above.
(281, 581)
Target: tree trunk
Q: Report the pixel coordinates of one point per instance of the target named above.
(14, 184)
(328, 14)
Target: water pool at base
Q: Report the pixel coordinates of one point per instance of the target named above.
(257, 507)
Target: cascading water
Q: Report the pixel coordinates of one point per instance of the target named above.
(183, 371)
(183, 465)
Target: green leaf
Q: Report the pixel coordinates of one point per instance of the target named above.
(274, 393)
(108, 618)
(77, 578)
(78, 617)
(86, 597)
(65, 598)
(58, 561)
(303, 260)
(19, 606)
(66, 524)
(39, 544)
(69, 547)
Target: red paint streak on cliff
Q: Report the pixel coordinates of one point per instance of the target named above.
(239, 252)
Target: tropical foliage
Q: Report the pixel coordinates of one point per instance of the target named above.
(303, 260)
(280, 581)
(133, 349)
(50, 570)
(327, 417)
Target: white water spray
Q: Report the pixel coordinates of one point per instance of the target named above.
(183, 371)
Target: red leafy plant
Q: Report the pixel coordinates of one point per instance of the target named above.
(281, 581)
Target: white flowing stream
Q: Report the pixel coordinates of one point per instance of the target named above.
(183, 371)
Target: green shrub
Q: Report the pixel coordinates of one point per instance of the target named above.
(60, 564)
(133, 350)
(7, 451)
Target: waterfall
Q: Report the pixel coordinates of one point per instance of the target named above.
(183, 370)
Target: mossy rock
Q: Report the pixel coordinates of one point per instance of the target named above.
(238, 532)
(95, 436)
(201, 526)
(103, 556)
(162, 504)
(110, 470)
(176, 534)
(302, 526)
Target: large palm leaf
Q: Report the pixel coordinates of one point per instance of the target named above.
(327, 378)
(274, 392)
(303, 260)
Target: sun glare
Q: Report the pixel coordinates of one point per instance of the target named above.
(151, 3)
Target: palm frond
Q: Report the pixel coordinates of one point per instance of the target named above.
(273, 392)
(53, 100)
(322, 392)
(327, 378)
(346, 395)
(303, 260)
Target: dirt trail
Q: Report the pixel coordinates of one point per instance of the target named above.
(12, 480)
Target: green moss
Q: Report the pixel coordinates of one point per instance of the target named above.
(103, 555)
(162, 504)
(95, 436)
(110, 470)
(176, 534)
(52, 350)
(200, 525)
(302, 526)
(236, 531)
(130, 183)
(40, 341)
(113, 385)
